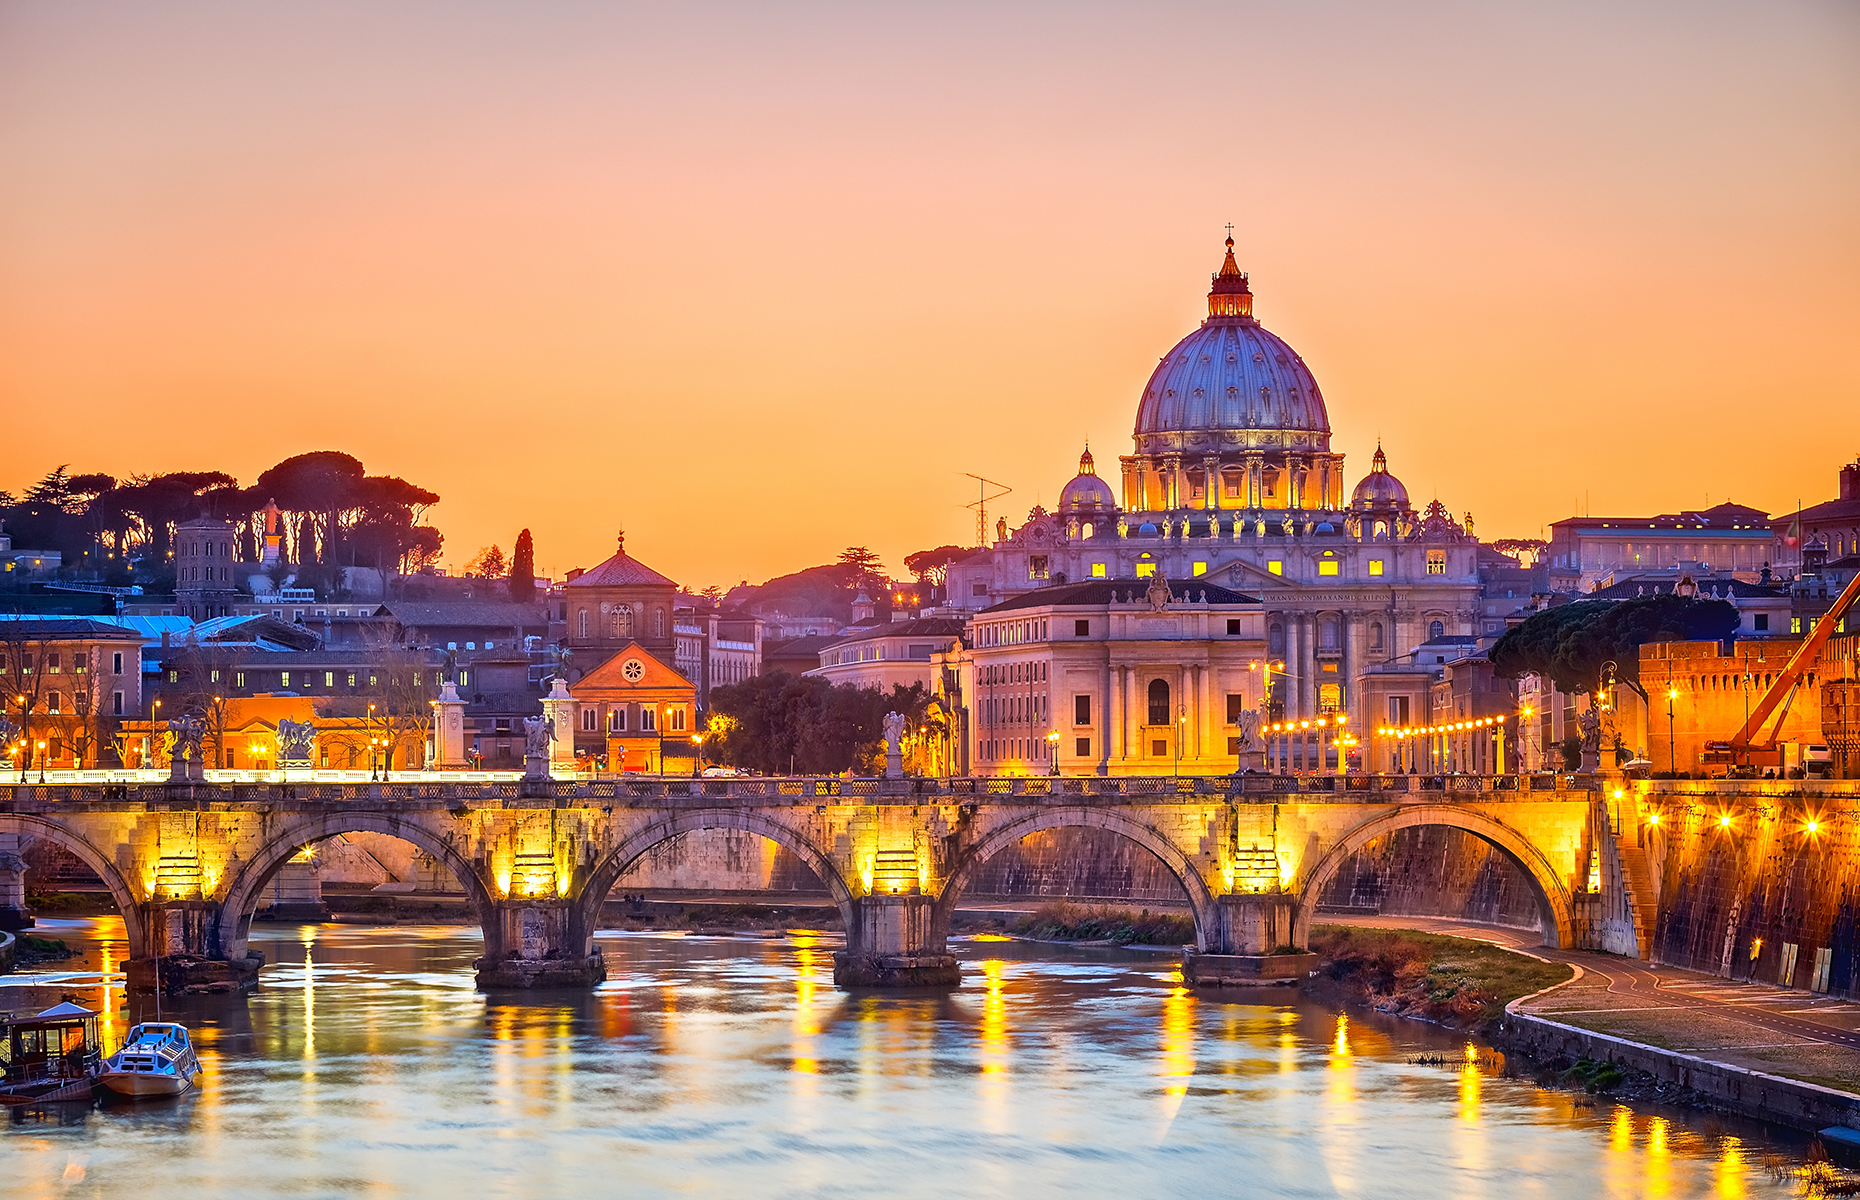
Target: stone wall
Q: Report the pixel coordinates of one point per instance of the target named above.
(1759, 897)
(1433, 871)
(1077, 863)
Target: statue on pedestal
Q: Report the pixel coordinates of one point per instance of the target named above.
(894, 745)
(295, 739)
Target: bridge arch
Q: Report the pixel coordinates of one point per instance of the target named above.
(1200, 898)
(1555, 913)
(127, 902)
(247, 884)
(621, 859)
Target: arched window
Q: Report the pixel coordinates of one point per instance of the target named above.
(1159, 702)
(1375, 636)
(584, 622)
(620, 624)
(1436, 631)
(658, 622)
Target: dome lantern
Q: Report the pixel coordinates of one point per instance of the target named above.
(1230, 297)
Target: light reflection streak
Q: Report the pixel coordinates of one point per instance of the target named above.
(1178, 1051)
(995, 1049)
(806, 1020)
(1729, 1169)
(309, 998)
(1657, 1175)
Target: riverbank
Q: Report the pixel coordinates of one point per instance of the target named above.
(1455, 982)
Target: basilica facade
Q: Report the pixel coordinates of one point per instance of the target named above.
(1233, 482)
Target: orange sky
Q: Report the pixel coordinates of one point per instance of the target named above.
(763, 281)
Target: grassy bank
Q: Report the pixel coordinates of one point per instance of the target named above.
(1448, 980)
(1102, 923)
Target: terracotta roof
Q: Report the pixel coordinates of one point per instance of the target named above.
(622, 570)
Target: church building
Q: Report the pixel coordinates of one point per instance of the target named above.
(1233, 481)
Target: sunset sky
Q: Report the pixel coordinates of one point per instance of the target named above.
(763, 281)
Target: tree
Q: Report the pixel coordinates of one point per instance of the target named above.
(488, 563)
(863, 568)
(523, 569)
(778, 722)
(932, 566)
(1570, 644)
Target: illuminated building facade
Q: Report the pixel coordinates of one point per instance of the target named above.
(1233, 481)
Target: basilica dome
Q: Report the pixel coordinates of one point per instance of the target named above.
(1231, 383)
(1087, 493)
(1379, 489)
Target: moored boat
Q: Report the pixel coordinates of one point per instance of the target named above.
(49, 1057)
(156, 1059)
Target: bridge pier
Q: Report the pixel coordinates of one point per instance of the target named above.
(528, 944)
(893, 941)
(1249, 940)
(14, 915)
(181, 939)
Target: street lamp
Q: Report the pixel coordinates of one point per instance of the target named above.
(697, 753)
(41, 762)
(25, 736)
(1181, 731)
(1052, 752)
(1672, 757)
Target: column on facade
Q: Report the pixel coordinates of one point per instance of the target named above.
(1211, 471)
(1295, 471)
(1114, 716)
(1210, 741)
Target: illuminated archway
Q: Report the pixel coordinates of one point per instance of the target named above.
(246, 885)
(1556, 917)
(1200, 898)
(127, 902)
(617, 862)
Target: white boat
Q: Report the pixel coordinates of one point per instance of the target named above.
(156, 1059)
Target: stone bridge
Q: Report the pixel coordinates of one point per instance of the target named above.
(188, 864)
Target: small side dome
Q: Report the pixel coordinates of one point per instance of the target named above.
(1379, 489)
(1086, 494)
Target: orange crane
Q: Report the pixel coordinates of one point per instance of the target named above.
(1776, 699)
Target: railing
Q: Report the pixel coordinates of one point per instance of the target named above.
(466, 788)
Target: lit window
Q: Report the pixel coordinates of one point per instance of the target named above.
(1145, 570)
(1097, 571)
(1375, 566)
(1327, 566)
(1436, 562)
(1201, 568)
(1276, 567)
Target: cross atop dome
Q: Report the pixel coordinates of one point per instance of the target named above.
(1230, 296)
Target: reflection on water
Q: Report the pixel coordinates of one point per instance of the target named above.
(366, 1062)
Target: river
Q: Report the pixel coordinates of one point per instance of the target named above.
(366, 1064)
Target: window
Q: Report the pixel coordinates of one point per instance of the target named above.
(1436, 562)
(616, 720)
(1082, 747)
(1233, 626)
(620, 622)
(1159, 702)
(1435, 631)
(52, 663)
(582, 616)
(1276, 567)
(213, 676)
(1159, 748)
(1036, 566)
(1235, 706)
(1097, 571)
(116, 664)
(1795, 624)
(54, 704)
(1201, 568)
(1081, 710)
(238, 679)
(1145, 570)
(1762, 622)
(1328, 566)
(678, 719)
(588, 720)
(658, 622)
(329, 679)
(1330, 697)
(464, 679)
(174, 677)
(1081, 629)
(1375, 566)
(1398, 711)
(648, 719)
(284, 679)
(978, 589)
(116, 704)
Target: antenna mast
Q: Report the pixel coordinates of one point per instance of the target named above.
(980, 504)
